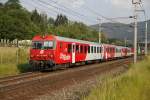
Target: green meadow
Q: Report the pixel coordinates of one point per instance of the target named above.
(132, 85)
(13, 60)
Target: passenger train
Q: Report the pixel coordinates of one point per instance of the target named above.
(49, 51)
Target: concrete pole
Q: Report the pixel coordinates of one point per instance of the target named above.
(100, 24)
(135, 32)
(125, 42)
(146, 52)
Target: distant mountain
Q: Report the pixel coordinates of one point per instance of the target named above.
(123, 31)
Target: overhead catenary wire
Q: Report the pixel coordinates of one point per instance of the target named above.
(65, 11)
(42, 7)
(100, 15)
(72, 11)
(38, 7)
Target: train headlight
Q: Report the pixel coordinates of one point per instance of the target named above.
(51, 56)
(32, 56)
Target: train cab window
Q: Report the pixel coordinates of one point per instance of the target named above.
(77, 48)
(88, 49)
(43, 45)
(37, 45)
(69, 48)
(48, 45)
(91, 49)
(81, 49)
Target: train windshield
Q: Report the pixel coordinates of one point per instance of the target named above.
(43, 44)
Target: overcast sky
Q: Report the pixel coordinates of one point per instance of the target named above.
(84, 10)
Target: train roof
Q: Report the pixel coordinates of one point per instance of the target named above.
(66, 39)
(76, 40)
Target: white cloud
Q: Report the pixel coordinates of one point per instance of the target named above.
(146, 3)
(72, 3)
(126, 4)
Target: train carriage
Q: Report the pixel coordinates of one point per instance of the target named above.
(108, 51)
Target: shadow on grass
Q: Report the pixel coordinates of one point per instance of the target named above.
(24, 67)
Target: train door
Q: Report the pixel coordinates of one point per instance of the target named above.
(73, 52)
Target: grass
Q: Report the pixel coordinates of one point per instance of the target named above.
(133, 85)
(8, 69)
(10, 63)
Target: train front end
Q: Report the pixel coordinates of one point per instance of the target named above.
(42, 52)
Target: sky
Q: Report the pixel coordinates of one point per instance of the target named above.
(88, 11)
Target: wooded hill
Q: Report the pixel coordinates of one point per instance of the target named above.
(123, 31)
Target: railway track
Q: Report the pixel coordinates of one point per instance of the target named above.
(28, 86)
(11, 80)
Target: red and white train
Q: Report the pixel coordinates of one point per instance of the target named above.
(50, 50)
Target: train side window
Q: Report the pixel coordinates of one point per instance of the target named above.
(118, 50)
(94, 49)
(88, 49)
(85, 49)
(61, 44)
(69, 48)
(77, 48)
(100, 49)
(97, 49)
(91, 49)
(81, 49)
